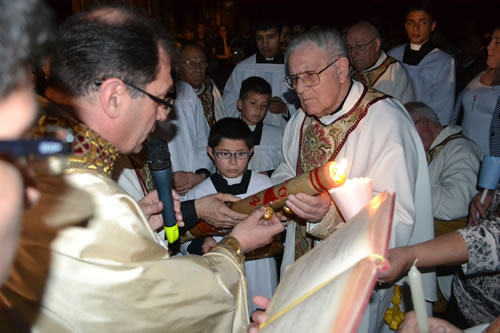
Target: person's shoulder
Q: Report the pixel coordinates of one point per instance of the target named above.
(184, 91)
(247, 62)
(204, 188)
(397, 52)
(438, 54)
(259, 178)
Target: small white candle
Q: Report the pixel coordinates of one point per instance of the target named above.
(352, 196)
(417, 296)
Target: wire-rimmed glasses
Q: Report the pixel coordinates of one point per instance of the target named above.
(309, 78)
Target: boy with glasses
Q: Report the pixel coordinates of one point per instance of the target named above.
(230, 145)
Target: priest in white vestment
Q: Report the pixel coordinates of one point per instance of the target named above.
(341, 118)
(373, 67)
(432, 70)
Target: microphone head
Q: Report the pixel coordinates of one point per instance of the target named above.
(157, 154)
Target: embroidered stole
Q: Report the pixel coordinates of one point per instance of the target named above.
(207, 101)
(320, 143)
(371, 77)
(436, 149)
(89, 149)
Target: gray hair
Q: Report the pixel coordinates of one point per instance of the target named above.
(419, 110)
(330, 41)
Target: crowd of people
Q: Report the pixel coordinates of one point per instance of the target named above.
(84, 250)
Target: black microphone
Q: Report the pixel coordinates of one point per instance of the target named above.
(158, 158)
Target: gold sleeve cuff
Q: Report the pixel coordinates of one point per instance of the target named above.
(232, 244)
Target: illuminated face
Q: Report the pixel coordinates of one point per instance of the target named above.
(191, 66)
(232, 167)
(363, 47)
(253, 108)
(139, 121)
(419, 26)
(268, 42)
(323, 98)
(18, 110)
(493, 60)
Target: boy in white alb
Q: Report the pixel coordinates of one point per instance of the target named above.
(230, 145)
(253, 103)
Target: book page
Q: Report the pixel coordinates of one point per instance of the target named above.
(334, 307)
(366, 234)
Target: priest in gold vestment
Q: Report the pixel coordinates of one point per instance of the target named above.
(342, 118)
(89, 259)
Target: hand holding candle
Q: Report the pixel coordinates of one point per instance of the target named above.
(417, 296)
(314, 182)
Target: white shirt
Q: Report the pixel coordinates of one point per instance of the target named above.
(273, 74)
(478, 103)
(433, 79)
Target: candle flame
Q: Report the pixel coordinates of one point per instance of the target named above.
(337, 171)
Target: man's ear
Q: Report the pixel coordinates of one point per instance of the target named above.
(342, 68)
(239, 104)
(113, 97)
(433, 25)
(378, 42)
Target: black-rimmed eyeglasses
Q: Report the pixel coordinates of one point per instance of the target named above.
(167, 103)
(225, 155)
(309, 78)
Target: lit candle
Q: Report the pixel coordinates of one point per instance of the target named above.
(352, 196)
(417, 296)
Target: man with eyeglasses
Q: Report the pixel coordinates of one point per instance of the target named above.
(191, 67)
(373, 67)
(267, 63)
(343, 119)
(432, 70)
(110, 74)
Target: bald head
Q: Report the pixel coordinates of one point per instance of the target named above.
(192, 64)
(363, 44)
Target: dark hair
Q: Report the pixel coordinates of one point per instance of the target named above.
(230, 128)
(25, 29)
(423, 6)
(255, 84)
(107, 42)
(264, 26)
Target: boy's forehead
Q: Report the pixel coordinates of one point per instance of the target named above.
(226, 143)
(267, 32)
(256, 95)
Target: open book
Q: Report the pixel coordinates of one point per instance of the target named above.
(327, 289)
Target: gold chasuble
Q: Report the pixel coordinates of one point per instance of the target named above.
(320, 143)
(369, 78)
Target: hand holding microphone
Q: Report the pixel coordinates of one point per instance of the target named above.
(158, 158)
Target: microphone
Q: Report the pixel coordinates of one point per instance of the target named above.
(158, 158)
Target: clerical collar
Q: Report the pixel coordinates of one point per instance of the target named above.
(415, 47)
(328, 119)
(222, 185)
(413, 57)
(279, 59)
